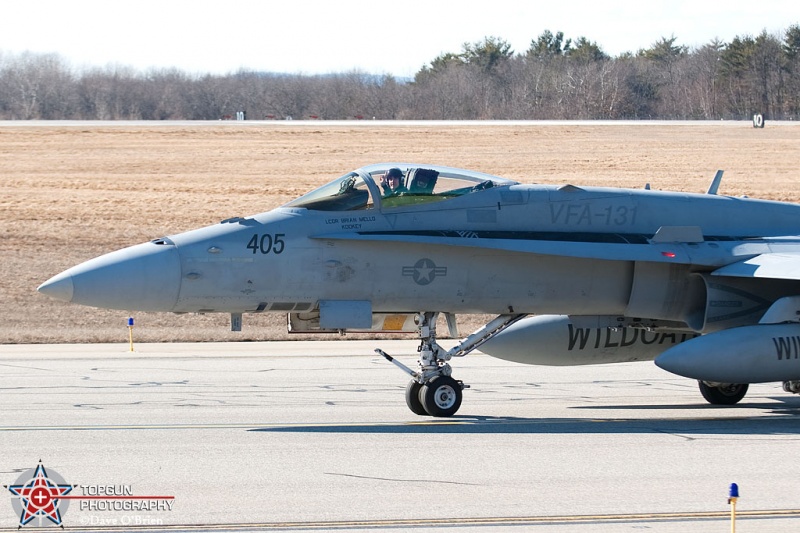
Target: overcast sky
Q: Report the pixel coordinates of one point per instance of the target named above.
(375, 36)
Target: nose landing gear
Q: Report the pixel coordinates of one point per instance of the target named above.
(432, 391)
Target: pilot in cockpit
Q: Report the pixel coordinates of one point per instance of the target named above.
(392, 182)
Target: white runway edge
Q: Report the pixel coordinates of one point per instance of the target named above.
(383, 123)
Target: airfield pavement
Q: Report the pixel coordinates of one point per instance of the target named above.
(296, 435)
(316, 435)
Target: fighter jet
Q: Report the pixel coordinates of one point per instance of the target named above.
(707, 285)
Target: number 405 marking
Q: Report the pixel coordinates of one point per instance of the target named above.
(267, 243)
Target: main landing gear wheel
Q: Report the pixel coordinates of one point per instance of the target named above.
(441, 396)
(723, 394)
(412, 398)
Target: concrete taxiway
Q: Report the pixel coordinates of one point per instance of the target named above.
(317, 436)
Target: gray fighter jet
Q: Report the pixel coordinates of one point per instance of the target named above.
(707, 285)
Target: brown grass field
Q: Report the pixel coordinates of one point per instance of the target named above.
(71, 192)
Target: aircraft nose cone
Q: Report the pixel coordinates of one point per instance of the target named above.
(59, 287)
(140, 278)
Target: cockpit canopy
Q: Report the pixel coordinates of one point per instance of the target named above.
(370, 187)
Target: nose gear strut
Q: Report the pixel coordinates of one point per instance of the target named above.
(432, 390)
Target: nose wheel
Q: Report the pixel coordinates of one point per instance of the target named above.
(432, 391)
(412, 398)
(441, 396)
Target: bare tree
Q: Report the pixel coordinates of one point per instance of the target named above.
(36, 86)
(556, 78)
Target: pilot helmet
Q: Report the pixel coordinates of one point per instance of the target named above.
(394, 173)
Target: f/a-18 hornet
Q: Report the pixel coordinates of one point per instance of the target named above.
(707, 285)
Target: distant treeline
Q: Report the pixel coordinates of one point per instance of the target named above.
(554, 79)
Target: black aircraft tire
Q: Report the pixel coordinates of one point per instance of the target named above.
(441, 396)
(728, 395)
(412, 398)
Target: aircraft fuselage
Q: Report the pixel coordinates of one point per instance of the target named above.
(511, 248)
(627, 266)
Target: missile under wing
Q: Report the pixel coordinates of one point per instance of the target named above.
(607, 274)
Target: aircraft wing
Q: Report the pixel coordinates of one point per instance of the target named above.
(612, 247)
(767, 265)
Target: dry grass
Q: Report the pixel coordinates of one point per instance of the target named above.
(69, 193)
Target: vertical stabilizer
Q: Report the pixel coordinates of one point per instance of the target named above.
(715, 183)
